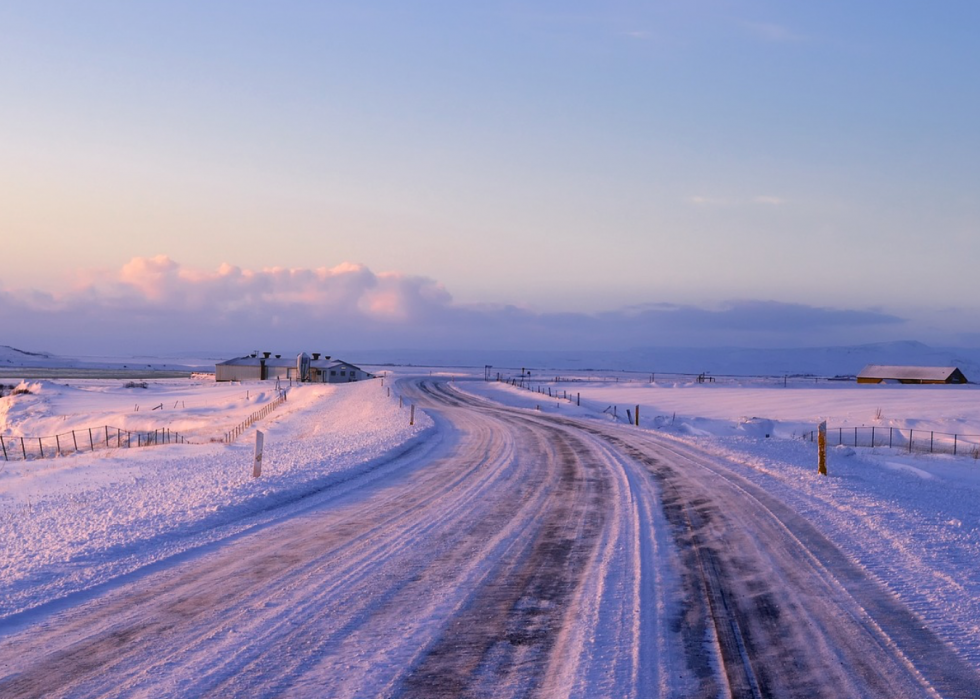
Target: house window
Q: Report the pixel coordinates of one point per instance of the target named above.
(333, 372)
(343, 373)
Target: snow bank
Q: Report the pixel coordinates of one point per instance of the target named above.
(73, 522)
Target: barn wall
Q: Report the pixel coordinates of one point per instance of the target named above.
(224, 372)
(232, 372)
(280, 372)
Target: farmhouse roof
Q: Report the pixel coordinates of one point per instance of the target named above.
(249, 360)
(329, 363)
(909, 373)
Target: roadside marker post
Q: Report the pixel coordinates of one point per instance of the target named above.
(822, 448)
(411, 420)
(257, 468)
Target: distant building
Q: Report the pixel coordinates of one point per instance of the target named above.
(302, 368)
(878, 373)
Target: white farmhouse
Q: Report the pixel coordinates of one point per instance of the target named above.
(302, 368)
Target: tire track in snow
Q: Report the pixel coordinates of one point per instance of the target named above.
(474, 575)
(805, 621)
(539, 558)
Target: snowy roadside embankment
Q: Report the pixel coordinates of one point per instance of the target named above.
(911, 520)
(70, 523)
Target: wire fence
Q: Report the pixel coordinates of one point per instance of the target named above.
(237, 431)
(921, 441)
(109, 437)
(84, 440)
(629, 376)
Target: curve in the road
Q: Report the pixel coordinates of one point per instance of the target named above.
(536, 556)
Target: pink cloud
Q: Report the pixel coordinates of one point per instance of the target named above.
(155, 304)
(346, 289)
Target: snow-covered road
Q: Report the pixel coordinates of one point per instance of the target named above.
(789, 613)
(510, 554)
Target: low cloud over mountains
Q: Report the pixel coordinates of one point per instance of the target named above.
(156, 304)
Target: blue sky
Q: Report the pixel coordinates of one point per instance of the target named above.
(672, 172)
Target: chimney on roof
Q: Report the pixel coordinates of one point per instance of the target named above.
(316, 356)
(326, 357)
(267, 354)
(278, 356)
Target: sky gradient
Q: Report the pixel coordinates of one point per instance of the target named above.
(677, 173)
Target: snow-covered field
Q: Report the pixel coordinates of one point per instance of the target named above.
(77, 521)
(70, 524)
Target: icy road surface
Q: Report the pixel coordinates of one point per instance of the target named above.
(513, 554)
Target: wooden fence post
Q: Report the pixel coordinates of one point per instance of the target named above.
(822, 449)
(411, 420)
(257, 468)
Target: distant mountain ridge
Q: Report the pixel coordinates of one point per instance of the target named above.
(732, 361)
(737, 361)
(14, 358)
(11, 356)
